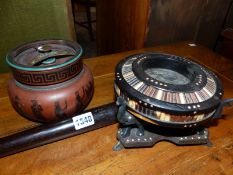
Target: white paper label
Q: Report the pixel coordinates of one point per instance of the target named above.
(83, 120)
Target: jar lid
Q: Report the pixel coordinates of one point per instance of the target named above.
(44, 55)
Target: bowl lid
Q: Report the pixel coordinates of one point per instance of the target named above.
(44, 55)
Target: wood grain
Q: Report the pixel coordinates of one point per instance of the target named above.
(211, 24)
(134, 24)
(91, 153)
(173, 21)
(121, 25)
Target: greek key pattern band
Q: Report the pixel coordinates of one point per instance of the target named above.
(48, 77)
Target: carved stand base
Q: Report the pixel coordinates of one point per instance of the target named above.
(149, 139)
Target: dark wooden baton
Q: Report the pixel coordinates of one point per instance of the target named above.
(47, 133)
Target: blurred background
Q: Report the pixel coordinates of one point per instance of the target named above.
(109, 26)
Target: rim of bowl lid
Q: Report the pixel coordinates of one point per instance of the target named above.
(9, 58)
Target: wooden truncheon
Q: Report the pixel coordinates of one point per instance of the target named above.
(100, 117)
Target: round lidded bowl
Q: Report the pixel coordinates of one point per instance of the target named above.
(49, 82)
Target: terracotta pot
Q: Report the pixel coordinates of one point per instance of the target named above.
(49, 80)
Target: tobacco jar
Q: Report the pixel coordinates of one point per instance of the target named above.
(49, 80)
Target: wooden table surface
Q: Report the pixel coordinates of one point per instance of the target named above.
(91, 153)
